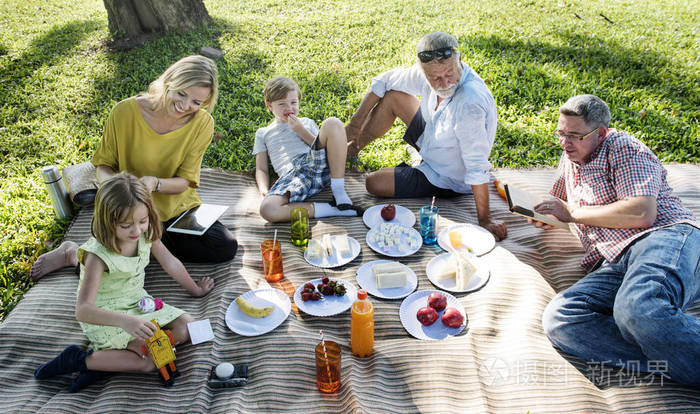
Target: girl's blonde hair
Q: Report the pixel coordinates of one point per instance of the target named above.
(189, 71)
(115, 200)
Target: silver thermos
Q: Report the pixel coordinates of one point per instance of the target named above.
(57, 191)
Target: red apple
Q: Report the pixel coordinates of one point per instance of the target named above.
(437, 301)
(452, 318)
(426, 315)
(388, 212)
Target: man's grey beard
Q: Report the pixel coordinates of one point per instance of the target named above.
(446, 92)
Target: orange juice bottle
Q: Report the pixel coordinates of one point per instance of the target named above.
(362, 325)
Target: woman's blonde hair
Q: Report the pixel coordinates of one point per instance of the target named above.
(189, 71)
(115, 200)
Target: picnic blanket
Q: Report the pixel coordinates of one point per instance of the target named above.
(501, 363)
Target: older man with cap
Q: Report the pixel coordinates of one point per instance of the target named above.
(452, 126)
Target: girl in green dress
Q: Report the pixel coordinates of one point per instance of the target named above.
(126, 231)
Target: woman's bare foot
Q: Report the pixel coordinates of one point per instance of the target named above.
(65, 255)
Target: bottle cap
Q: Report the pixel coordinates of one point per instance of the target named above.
(50, 174)
(362, 294)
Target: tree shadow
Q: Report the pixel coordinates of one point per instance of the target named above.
(533, 76)
(19, 74)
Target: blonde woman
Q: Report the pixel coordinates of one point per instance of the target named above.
(160, 136)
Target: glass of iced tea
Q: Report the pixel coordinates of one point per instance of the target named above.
(300, 227)
(328, 367)
(272, 260)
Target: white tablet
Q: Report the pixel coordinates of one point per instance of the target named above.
(197, 220)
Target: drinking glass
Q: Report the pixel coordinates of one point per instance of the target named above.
(272, 260)
(300, 227)
(429, 224)
(328, 369)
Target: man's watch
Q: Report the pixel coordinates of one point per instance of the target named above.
(157, 190)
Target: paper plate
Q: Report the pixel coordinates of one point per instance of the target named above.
(329, 305)
(367, 281)
(436, 331)
(401, 248)
(335, 259)
(373, 216)
(478, 280)
(479, 240)
(245, 325)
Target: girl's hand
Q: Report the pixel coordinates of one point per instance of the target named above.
(204, 286)
(138, 328)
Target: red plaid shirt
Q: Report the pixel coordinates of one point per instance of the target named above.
(621, 167)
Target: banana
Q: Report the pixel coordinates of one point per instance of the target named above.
(254, 311)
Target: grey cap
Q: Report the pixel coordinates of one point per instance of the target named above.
(434, 41)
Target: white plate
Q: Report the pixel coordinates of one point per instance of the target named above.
(367, 281)
(373, 216)
(476, 282)
(476, 238)
(436, 331)
(394, 251)
(335, 259)
(329, 305)
(245, 325)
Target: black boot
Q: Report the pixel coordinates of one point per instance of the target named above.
(72, 359)
(86, 378)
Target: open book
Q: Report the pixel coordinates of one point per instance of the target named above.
(197, 220)
(523, 203)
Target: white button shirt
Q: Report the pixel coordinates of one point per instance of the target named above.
(458, 135)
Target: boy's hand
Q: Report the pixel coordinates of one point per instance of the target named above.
(295, 124)
(204, 286)
(138, 328)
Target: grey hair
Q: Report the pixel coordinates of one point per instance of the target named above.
(434, 41)
(595, 111)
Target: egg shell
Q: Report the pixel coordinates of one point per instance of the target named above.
(224, 370)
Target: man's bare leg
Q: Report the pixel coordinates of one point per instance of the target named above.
(393, 105)
(64, 256)
(381, 183)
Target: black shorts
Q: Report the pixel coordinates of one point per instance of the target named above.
(414, 130)
(409, 181)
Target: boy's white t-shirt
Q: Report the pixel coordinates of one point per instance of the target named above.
(282, 144)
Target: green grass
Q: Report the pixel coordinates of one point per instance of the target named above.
(58, 82)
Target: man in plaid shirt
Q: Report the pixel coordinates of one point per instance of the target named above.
(641, 246)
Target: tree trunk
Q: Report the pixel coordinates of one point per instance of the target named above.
(131, 22)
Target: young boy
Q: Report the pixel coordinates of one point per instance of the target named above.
(305, 158)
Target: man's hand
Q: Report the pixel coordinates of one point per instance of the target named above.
(555, 207)
(353, 134)
(496, 227)
(204, 286)
(138, 328)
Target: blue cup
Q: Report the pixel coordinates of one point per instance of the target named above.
(429, 224)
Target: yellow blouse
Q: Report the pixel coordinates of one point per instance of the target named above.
(130, 144)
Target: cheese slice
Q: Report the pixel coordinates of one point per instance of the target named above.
(389, 275)
(341, 244)
(391, 280)
(315, 250)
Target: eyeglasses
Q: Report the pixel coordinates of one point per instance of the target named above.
(558, 134)
(439, 54)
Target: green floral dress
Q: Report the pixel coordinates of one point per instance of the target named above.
(120, 290)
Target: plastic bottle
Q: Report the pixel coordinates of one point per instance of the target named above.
(362, 325)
